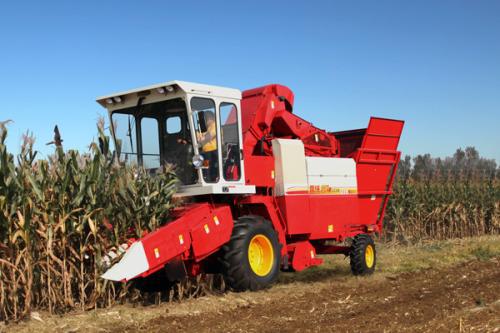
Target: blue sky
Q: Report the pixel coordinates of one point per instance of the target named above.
(434, 64)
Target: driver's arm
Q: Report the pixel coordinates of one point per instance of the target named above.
(208, 136)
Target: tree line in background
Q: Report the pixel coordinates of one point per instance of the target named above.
(465, 165)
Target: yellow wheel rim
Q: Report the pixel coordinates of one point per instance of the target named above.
(369, 256)
(260, 255)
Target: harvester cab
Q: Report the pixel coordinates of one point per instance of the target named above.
(193, 127)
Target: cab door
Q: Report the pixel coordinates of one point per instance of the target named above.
(230, 139)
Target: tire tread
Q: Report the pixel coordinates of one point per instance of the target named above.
(234, 254)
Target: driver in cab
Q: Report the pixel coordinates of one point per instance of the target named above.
(208, 142)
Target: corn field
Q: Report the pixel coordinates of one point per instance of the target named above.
(59, 217)
(441, 210)
(438, 198)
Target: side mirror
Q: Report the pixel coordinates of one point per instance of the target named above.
(198, 161)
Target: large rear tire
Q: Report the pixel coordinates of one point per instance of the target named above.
(363, 255)
(251, 259)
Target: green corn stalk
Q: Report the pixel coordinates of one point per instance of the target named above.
(60, 215)
(439, 209)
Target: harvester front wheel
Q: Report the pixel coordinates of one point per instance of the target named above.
(363, 255)
(251, 258)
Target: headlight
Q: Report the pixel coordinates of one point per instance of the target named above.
(198, 161)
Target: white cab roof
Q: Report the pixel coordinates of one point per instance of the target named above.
(187, 87)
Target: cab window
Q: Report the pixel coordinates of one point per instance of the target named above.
(230, 142)
(150, 143)
(203, 112)
(124, 131)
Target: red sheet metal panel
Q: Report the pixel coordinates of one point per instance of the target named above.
(333, 214)
(297, 213)
(377, 161)
(211, 231)
(382, 134)
(166, 243)
(199, 227)
(302, 255)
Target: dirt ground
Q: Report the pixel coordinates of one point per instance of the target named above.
(436, 287)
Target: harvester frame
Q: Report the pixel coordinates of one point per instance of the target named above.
(266, 190)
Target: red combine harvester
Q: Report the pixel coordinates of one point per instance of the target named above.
(265, 190)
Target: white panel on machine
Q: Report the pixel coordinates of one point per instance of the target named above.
(290, 167)
(297, 174)
(331, 175)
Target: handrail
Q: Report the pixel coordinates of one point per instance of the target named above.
(377, 161)
(384, 151)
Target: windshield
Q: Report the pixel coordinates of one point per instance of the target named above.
(154, 135)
